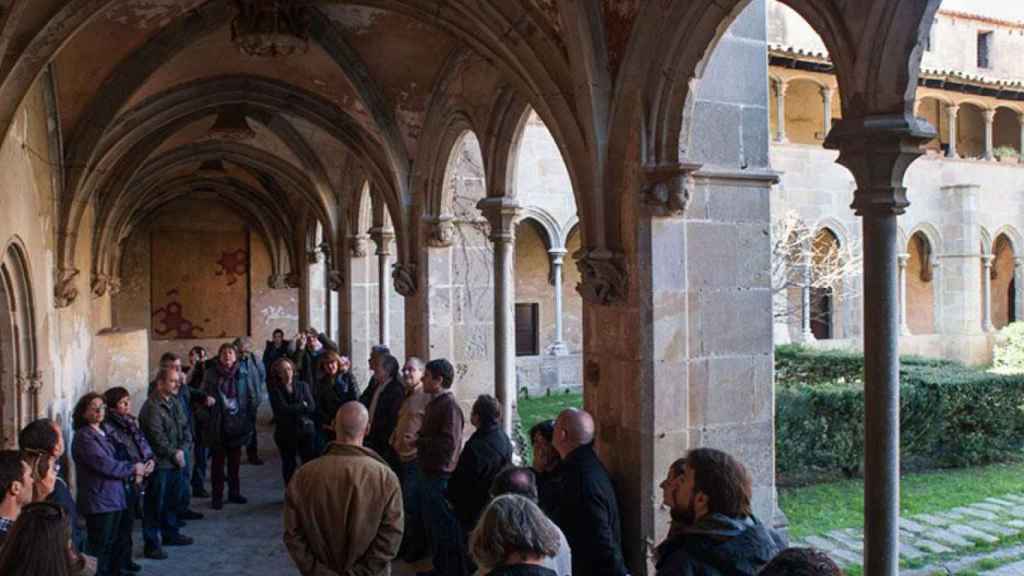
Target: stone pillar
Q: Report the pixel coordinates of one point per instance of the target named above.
(304, 286)
(558, 347)
(961, 273)
(877, 151)
(501, 213)
(805, 300)
(780, 110)
(361, 284)
(902, 284)
(986, 292)
(1018, 292)
(826, 97)
(990, 117)
(937, 295)
(951, 115)
(1020, 123)
(382, 238)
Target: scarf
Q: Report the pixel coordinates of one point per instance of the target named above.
(226, 380)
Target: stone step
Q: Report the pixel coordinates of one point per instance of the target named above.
(911, 526)
(1001, 502)
(969, 511)
(932, 520)
(855, 544)
(834, 549)
(994, 529)
(1015, 523)
(973, 534)
(1014, 569)
(931, 546)
(948, 538)
(990, 507)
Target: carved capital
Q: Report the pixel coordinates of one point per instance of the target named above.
(292, 280)
(442, 231)
(404, 278)
(277, 282)
(667, 188)
(35, 383)
(359, 246)
(65, 292)
(603, 277)
(878, 150)
(335, 280)
(313, 256)
(382, 237)
(102, 284)
(501, 213)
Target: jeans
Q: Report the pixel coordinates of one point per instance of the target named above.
(185, 484)
(292, 451)
(443, 532)
(101, 540)
(160, 508)
(199, 457)
(123, 542)
(233, 458)
(414, 544)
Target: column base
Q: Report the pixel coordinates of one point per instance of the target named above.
(808, 337)
(557, 349)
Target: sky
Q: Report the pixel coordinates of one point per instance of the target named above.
(1005, 9)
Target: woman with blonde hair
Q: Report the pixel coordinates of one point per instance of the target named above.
(295, 414)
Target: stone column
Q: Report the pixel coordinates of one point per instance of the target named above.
(501, 213)
(780, 109)
(558, 347)
(990, 117)
(1020, 122)
(951, 115)
(939, 326)
(902, 284)
(826, 97)
(877, 151)
(302, 282)
(1018, 289)
(382, 238)
(986, 292)
(805, 300)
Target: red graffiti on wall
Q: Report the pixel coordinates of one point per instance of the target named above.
(174, 322)
(233, 265)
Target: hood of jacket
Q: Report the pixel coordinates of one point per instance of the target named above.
(722, 544)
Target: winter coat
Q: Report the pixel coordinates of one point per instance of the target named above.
(101, 475)
(487, 452)
(718, 545)
(410, 419)
(289, 410)
(440, 438)
(331, 394)
(343, 514)
(214, 434)
(588, 513)
(166, 428)
(307, 364)
(272, 354)
(250, 370)
(384, 418)
(128, 438)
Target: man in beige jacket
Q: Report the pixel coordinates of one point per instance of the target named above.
(343, 511)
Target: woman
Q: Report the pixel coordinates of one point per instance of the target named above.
(39, 543)
(229, 424)
(101, 480)
(545, 464)
(335, 387)
(294, 417)
(44, 475)
(123, 430)
(513, 538)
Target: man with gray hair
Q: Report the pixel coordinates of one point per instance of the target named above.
(253, 373)
(343, 511)
(403, 441)
(513, 538)
(523, 482)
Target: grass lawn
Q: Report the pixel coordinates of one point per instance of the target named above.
(540, 408)
(823, 507)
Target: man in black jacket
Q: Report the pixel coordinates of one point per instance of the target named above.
(487, 452)
(588, 511)
(713, 529)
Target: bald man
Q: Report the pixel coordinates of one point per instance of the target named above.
(343, 511)
(588, 511)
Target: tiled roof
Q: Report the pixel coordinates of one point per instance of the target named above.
(981, 18)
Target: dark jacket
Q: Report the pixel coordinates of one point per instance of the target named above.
(522, 570)
(128, 438)
(384, 418)
(440, 438)
(307, 364)
(487, 452)
(272, 354)
(289, 410)
(215, 430)
(330, 395)
(718, 545)
(165, 427)
(588, 514)
(61, 496)
(101, 475)
(250, 369)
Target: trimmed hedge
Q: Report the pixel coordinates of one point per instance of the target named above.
(951, 415)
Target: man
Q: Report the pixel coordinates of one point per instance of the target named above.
(403, 442)
(15, 489)
(384, 405)
(377, 353)
(250, 371)
(187, 396)
(343, 511)
(713, 528)
(588, 511)
(523, 481)
(44, 436)
(276, 349)
(438, 448)
(164, 424)
(487, 452)
(305, 353)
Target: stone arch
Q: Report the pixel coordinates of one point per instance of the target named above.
(986, 242)
(920, 283)
(970, 129)
(20, 379)
(571, 229)
(546, 224)
(932, 107)
(805, 114)
(1006, 133)
(826, 253)
(1003, 278)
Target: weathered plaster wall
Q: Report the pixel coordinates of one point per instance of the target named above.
(122, 359)
(268, 309)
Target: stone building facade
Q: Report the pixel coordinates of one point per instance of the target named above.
(961, 261)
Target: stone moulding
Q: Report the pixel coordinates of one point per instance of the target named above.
(292, 280)
(65, 292)
(667, 188)
(604, 280)
(277, 282)
(404, 278)
(102, 284)
(442, 232)
(360, 246)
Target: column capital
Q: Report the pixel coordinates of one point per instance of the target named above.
(359, 245)
(382, 237)
(780, 85)
(902, 259)
(441, 231)
(827, 92)
(557, 255)
(604, 280)
(335, 280)
(667, 188)
(987, 259)
(277, 281)
(102, 284)
(1018, 262)
(878, 150)
(64, 291)
(952, 109)
(989, 115)
(501, 213)
(404, 278)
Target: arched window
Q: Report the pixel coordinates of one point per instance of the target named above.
(18, 358)
(920, 285)
(826, 261)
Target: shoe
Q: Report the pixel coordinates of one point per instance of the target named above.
(238, 499)
(131, 567)
(200, 492)
(190, 515)
(178, 540)
(155, 553)
(217, 503)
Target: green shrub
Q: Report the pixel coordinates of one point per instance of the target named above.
(950, 415)
(1008, 352)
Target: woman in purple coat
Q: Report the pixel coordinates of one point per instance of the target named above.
(101, 483)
